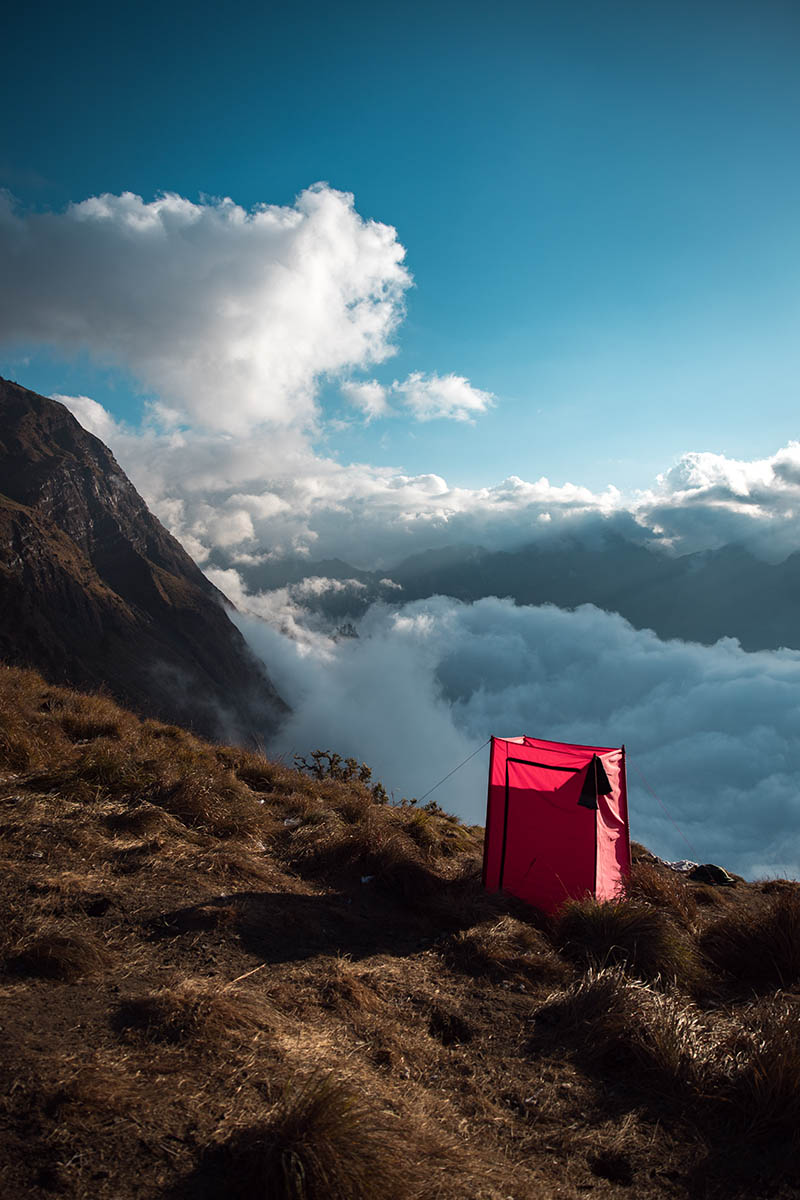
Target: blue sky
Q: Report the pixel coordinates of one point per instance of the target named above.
(599, 203)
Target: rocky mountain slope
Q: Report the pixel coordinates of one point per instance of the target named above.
(222, 979)
(94, 591)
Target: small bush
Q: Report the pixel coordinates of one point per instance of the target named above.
(630, 933)
(761, 950)
(326, 764)
(322, 1142)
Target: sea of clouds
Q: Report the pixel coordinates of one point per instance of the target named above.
(231, 320)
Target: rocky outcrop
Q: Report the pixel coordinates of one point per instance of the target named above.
(95, 592)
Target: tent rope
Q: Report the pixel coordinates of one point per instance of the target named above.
(666, 810)
(449, 773)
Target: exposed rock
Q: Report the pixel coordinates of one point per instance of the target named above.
(95, 592)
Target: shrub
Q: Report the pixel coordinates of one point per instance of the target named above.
(761, 950)
(630, 933)
(326, 764)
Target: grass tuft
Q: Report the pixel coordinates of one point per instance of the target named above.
(660, 1042)
(51, 954)
(761, 950)
(193, 1013)
(505, 949)
(321, 1142)
(630, 933)
(761, 1090)
(663, 888)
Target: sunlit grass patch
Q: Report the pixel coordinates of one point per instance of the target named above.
(197, 1013)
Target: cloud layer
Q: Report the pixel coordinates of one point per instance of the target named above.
(713, 731)
(270, 494)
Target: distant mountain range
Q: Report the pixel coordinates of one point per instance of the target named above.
(698, 597)
(95, 592)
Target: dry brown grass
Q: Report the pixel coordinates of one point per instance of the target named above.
(506, 949)
(142, 821)
(190, 953)
(660, 1042)
(760, 1089)
(632, 933)
(376, 847)
(345, 989)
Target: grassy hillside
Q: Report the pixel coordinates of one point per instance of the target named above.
(222, 977)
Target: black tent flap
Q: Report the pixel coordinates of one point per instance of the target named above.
(595, 784)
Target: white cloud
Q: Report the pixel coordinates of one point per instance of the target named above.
(231, 316)
(424, 397)
(714, 731)
(430, 397)
(368, 397)
(318, 585)
(91, 415)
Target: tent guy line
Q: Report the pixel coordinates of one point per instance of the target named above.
(449, 773)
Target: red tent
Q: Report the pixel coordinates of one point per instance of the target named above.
(556, 821)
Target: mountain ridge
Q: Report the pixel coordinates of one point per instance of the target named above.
(698, 597)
